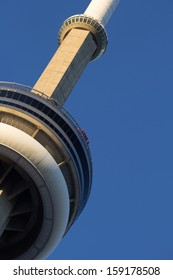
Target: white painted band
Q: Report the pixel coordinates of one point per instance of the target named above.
(101, 10)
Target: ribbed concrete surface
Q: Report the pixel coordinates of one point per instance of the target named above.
(66, 66)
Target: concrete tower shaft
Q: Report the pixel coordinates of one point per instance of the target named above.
(82, 38)
(66, 66)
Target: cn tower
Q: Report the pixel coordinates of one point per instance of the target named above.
(45, 160)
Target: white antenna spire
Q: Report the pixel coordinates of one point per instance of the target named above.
(101, 10)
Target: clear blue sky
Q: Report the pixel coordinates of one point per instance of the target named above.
(124, 101)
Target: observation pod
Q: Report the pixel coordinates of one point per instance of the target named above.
(45, 173)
